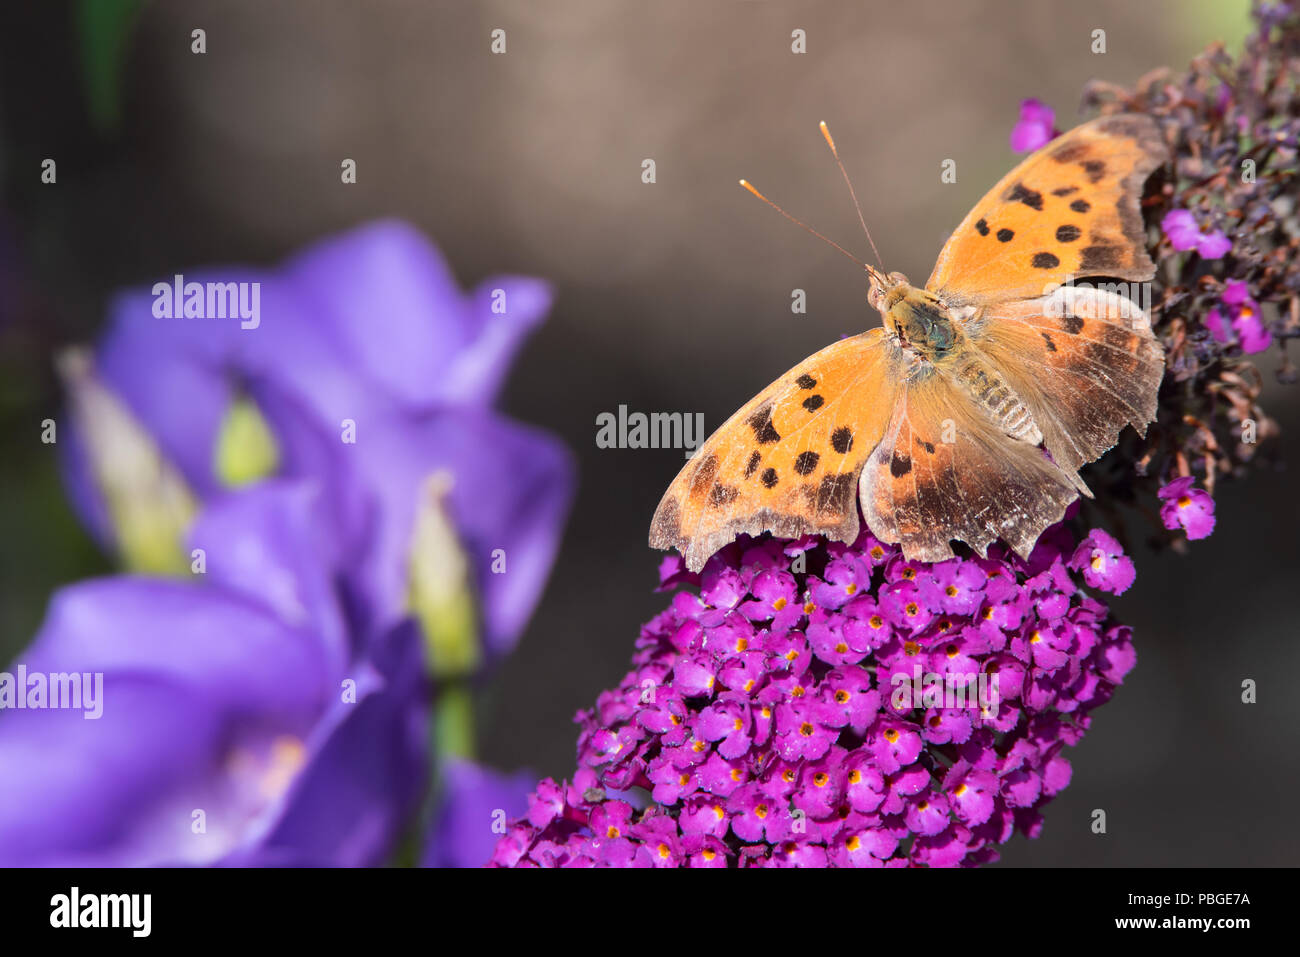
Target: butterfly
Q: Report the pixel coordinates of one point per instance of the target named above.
(968, 414)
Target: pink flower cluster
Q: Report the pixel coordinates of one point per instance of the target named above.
(820, 704)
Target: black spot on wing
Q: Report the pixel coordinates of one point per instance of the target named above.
(805, 381)
(1072, 324)
(900, 464)
(704, 475)
(761, 423)
(1120, 338)
(842, 440)
(982, 227)
(1045, 261)
(928, 446)
(813, 403)
(1004, 235)
(721, 495)
(1095, 169)
(1081, 206)
(752, 465)
(833, 491)
(1020, 194)
(1068, 233)
(1065, 191)
(1101, 258)
(1070, 152)
(1051, 346)
(806, 462)
(768, 478)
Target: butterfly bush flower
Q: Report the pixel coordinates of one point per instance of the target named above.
(1036, 126)
(1242, 319)
(1187, 508)
(1229, 194)
(819, 739)
(1184, 233)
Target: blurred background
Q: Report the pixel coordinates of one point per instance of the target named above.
(673, 296)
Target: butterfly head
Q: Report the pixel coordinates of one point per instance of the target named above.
(916, 317)
(883, 289)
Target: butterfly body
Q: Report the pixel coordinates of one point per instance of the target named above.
(933, 333)
(932, 424)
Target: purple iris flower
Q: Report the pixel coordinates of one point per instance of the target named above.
(367, 329)
(235, 724)
(281, 700)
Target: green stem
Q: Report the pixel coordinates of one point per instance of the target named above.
(453, 721)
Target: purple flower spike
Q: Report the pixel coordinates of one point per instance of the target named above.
(1035, 128)
(1191, 509)
(913, 716)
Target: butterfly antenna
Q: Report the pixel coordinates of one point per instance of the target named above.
(799, 222)
(826, 132)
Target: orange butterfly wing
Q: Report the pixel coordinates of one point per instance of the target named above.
(1082, 370)
(1073, 208)
(945, 470)
(1084, 362)
(789, 461)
